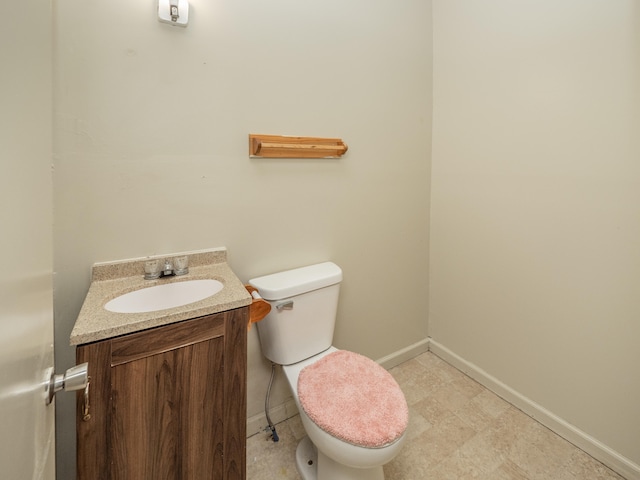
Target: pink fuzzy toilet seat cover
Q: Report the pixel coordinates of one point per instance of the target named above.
(354, 399)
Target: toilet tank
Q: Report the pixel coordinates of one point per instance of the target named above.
(303, 302)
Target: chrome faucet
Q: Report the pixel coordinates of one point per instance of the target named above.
(154, 269)
(167, 270)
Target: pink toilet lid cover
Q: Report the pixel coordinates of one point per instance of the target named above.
(354, 399)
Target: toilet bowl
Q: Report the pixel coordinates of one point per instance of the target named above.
(352, 461)
(352, 410)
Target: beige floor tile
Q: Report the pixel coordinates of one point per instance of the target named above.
(417, 425)
(511, 426)
(451, 397)
(476, 417)
(467, 386)
(435, 364)
(274, 460)
(419, 456)
(457, 467)
(415, 381)
(413, 461)
(581, 466)
(443, 439)
(486, 449)
(540, 453)
(507, 471)
(407, 371)
(431, 409)
(491, 403)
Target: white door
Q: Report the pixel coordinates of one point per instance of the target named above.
(26, 314)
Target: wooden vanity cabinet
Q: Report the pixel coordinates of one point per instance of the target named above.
(166, 403)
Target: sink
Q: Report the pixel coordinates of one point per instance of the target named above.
(161, 297)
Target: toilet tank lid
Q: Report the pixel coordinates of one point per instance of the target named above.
(297, 281)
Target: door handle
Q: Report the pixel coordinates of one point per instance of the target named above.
(75, 378)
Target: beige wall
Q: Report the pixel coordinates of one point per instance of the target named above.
(535, 213)
(151, 125)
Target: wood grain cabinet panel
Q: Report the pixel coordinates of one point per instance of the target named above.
(167, 403)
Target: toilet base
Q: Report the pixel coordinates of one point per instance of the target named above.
(314, 465)
(307, 459)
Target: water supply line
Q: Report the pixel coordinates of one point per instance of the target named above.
(272, 427)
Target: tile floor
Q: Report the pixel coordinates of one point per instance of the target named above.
(458, 430)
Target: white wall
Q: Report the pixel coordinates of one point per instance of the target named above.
(535, 213)
(151, 156)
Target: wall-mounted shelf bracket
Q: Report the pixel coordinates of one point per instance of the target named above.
(282, 146)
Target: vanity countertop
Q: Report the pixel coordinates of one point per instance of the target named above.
(112, 279)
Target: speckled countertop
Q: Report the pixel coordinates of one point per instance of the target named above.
(112, 279)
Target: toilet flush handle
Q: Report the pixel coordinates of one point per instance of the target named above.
(285, 306)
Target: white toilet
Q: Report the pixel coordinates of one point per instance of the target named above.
(353, 411)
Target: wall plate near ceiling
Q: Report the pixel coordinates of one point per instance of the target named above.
(174, 12)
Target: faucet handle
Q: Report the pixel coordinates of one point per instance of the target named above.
(181, 265)
(152, 269)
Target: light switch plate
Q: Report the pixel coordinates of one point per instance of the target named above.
(164, 12)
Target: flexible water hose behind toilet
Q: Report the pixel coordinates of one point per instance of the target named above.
(274, 435)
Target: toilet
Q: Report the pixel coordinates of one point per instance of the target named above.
(353, 411)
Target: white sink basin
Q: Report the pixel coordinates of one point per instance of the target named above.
(161, 297)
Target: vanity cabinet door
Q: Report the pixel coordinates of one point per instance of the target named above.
(167, 414)
(175, 406)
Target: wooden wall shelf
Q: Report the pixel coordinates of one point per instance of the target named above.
(282, 146)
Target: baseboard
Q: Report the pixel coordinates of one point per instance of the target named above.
(401, 356)
(580, 439)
